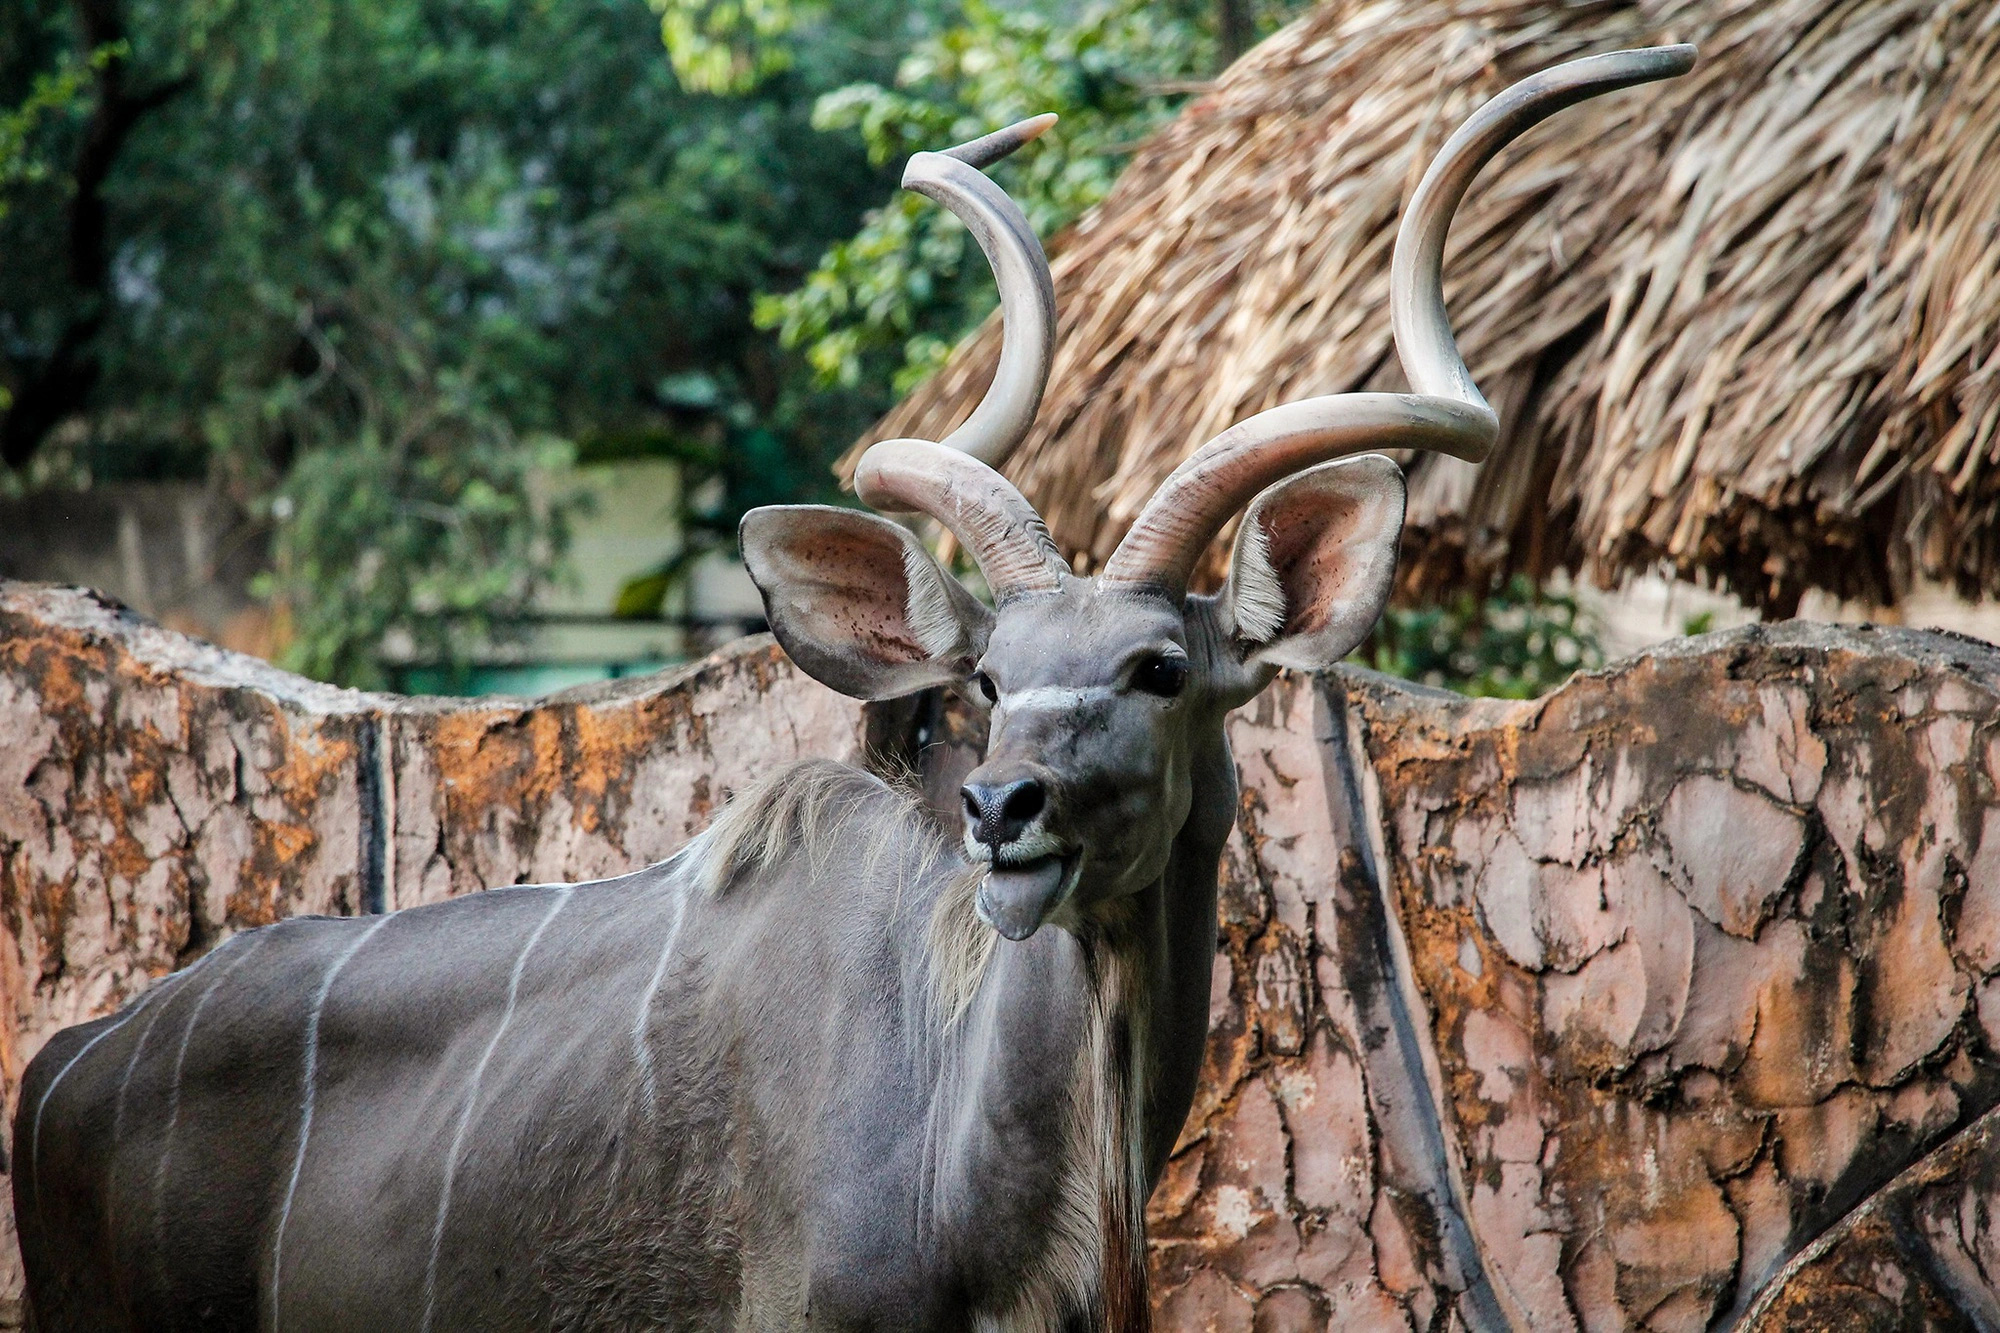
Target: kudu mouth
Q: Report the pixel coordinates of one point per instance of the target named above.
(1030, 870)
(1017, 897)
(1027, 878)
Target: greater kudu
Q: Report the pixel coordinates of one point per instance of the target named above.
(824, 1067)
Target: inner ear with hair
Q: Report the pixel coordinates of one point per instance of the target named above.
(858, 603)
(1315, 561)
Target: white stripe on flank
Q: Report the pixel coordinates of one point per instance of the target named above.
(125, 1083)
(35, 1129)
(1055, 696)
(174, 1094)
(307, 1079)
(472, 1103)
(642, 1054)
(118, 1114)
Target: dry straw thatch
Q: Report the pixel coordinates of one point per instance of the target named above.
(1742, 323)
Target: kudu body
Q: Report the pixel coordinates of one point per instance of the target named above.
(828, 1066)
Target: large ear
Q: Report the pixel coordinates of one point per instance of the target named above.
(1314, 563)
(858, 603)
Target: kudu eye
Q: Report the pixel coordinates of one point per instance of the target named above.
(1164, 676)
(985, 684)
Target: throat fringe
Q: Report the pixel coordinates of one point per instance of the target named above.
(1097, 1262)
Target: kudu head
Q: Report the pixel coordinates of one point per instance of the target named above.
(1105, 690)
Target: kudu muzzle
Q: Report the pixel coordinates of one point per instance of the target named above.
(1006, 825)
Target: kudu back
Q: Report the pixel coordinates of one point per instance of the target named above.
(830, 1065)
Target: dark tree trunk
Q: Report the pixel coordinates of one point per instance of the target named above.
(1232, 32)
(58, 385)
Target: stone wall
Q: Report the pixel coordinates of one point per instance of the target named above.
(1600, 1011)
(1595, 1011)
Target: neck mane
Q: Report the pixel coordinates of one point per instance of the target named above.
(1056, 1071)
(1108, 1022)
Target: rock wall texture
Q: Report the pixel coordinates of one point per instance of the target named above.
(1668, 1001)
(1593, 1012)
(1919, 1254)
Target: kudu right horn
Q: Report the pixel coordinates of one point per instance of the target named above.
(956, 482)
(1446, 412)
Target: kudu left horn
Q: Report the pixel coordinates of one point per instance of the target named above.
(826, 1067)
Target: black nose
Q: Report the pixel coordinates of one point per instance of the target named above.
(998, 811)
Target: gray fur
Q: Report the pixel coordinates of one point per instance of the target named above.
(826, 1031)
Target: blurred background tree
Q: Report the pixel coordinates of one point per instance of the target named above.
(883, 306)
(379, 270)
(889, 302)
(50, 92)
(1515, 642)
(374, 264)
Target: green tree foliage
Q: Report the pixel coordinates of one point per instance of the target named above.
(1517, 642)
(730, 46)
(51, 93)
(888, 303)
(883, 306)
(375, 264)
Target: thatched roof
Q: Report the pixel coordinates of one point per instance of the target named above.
(1742, 323)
